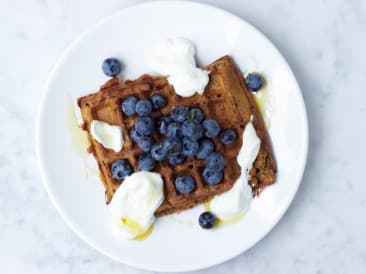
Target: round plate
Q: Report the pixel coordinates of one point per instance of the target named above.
(177, 243)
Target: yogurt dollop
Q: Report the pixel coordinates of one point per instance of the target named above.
(174, 58)
(236, 201)
(134, 203)
(110, 136)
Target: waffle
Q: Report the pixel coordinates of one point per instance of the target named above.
(225, 99)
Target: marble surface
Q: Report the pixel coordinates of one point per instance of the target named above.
(324, 231)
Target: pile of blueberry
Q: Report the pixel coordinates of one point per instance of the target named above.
(185, 133)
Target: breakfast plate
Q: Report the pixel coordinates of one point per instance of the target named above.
(70, 175)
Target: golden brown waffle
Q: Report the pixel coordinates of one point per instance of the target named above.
(225, 99)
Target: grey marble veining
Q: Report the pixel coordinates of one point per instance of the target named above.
(324, 231)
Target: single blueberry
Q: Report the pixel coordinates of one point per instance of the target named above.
(206, 146)
(211, 128)
(184, 184)
(254, 81)
(129, 105)
(111, 67)
(212, 177)
(158, 101)
(207, 220)
(135, 136)
(174, 130)
(215, 161)
(228, 136)
(143, 107)
(145, 143)
(146, 162)
(162, 124)
(173, 146)
(192, 129)
(158, 151)
(180, 113)
(176, 159)
(121, 169)
(144, 125)
(196, 114)
(190, 147)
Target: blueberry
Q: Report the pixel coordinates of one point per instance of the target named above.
(173, 146)
(184, 184)
(135, 136)
(206, 146)
(176, 159)
(196, 114)
(144, 125)
(158, 101)
(180, 113)
(192, 129)
(212, 177)
(111, 67)
(162, 124)
(211, 128)
(145, 143)
(129, 105)
(158, 151)
(190, 147)
(207, 220)
(121, 169)
(215, 161)
(143, 107)
(174, 130)
(228, 136)
(254, 81)
(146, 162)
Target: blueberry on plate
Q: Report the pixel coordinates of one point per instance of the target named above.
(143, 107)
(145, 143)
(184, 184)
(173, 146)
(207, 220)
(174, 130)
(121, 169)
(144, 125)
(111, 67)
(189, 147)
(211, 128)
(180, 113)
(192, 129)
(158, 101)
(196, 114)
(215, 161)
(158, 151)
(206, 146)
(228, 136)
(176, 159)
(254, 81)
(212, 177)
(129, 105)
(162, 124)
(146, 162)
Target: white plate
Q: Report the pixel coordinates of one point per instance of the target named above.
(174, 245)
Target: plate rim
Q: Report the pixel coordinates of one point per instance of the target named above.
(46, 92)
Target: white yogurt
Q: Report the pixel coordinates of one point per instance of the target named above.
(134, 203)
(110, 136)
(174, 58)
(236, 201)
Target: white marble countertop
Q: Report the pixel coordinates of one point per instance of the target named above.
(324, 231)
